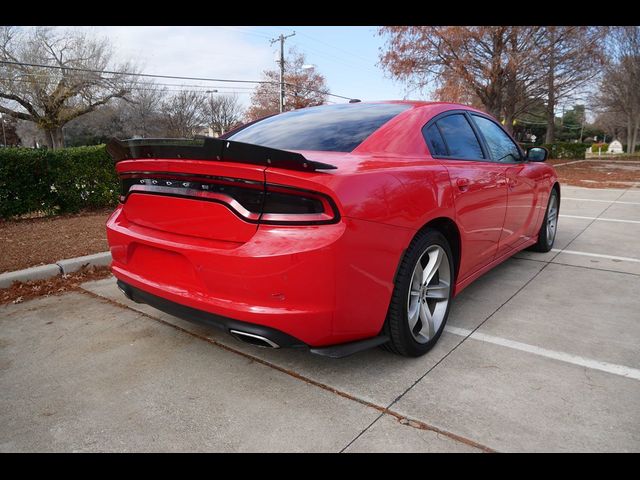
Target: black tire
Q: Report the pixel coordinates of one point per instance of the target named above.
(545, 242)
(396, 325)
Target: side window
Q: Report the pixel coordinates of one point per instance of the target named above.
(501, 147)
(459, 137)
(435, 142)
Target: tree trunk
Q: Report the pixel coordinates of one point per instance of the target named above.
(54, 137)
(629, 133)
(48, 138)
(508, 120)
(634, 136)
(551, 89)
(551, 120)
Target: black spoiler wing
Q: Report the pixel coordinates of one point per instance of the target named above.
(214, 149)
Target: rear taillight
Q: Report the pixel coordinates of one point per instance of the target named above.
(288, 205)
(251, 200)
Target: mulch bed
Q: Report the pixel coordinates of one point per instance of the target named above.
(36, 241)
(22, 291)
(598, 174)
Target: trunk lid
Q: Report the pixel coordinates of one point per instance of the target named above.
(206, 188)
(217, 201)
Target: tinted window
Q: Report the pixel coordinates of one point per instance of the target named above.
(460, 138)
(501, 147)
(338, 128)
(435, 142)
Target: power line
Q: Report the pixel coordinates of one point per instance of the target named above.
(332, 56)
(172, 77)
(44, 75)
(337, 48)
(151, 87)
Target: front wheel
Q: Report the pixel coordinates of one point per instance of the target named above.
(547, 233)
(421, 298)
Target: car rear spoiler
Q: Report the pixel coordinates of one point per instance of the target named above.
(209, 148)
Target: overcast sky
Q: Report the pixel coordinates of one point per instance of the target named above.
(346, 56)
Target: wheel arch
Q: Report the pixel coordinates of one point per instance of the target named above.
(556, 187)
(447, 227)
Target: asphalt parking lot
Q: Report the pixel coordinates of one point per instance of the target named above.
(540, 354)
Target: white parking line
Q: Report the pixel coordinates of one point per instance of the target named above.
(597, 200)
(597, 255)
(613, 368)
(600, 219)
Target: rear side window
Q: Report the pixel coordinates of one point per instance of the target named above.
(459, 137)
(336, 128)
(435, 142)
(501, 147)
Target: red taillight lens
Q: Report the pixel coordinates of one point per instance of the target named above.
(252, 201)
(288, 205)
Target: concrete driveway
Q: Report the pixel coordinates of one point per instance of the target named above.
(541, 354)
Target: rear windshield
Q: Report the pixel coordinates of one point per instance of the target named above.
(335, 128)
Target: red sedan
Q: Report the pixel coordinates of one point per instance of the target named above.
(333, 228)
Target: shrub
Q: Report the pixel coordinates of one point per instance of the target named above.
(56, 181)
(599, 146)
(566, 150)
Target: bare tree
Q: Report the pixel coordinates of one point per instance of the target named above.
(572, 56)
(303, 88)
(498, 65)
(98, 126)
(51, 97)
(8, 130)
(613, 124)
(223, 112)
(143, 112)
(183, 114)
(29, 133)
(620, 86)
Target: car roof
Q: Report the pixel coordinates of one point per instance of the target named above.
(419, 103)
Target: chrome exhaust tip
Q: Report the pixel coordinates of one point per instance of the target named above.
(253, 339)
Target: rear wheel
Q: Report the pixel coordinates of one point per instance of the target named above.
(420, 302)
(547, 233)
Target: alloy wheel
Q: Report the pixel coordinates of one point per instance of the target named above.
(429, 293)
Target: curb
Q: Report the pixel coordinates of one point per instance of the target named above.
(61, 267)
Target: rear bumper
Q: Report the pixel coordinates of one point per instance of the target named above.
(278, 338)
(267, 336)
(307, 285)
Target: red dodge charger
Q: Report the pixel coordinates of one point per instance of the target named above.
(333, 228)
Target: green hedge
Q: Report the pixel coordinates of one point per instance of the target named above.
(566, 150)
(56, 181)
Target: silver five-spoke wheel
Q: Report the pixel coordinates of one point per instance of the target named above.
(428, 294)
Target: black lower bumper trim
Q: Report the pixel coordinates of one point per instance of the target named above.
(207, 318)
(345, 349)
(227, 324)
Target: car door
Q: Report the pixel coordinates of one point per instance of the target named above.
(521, 215)
(479, 187)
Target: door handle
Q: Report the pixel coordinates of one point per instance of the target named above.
(463, 184)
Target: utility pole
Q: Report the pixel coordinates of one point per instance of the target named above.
(281, 39)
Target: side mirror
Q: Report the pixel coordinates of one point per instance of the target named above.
(537, 154)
